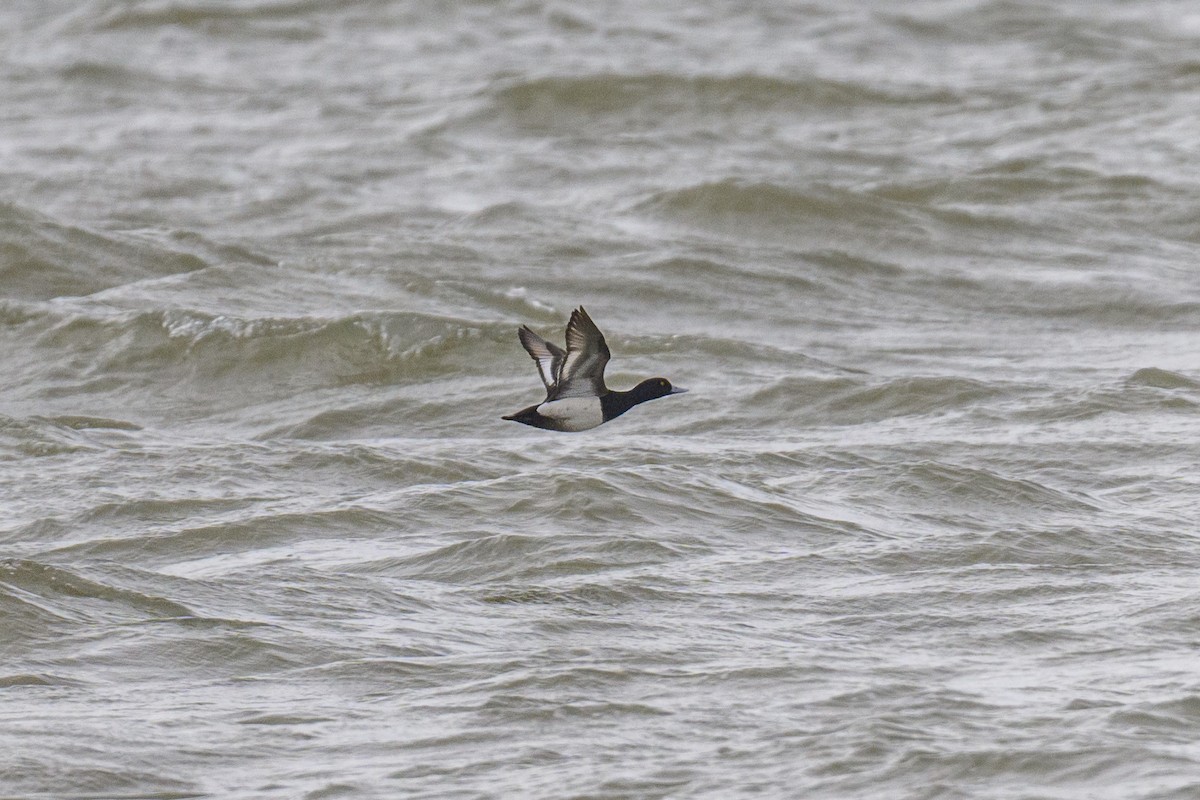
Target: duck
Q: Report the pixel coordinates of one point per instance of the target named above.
(576, 397)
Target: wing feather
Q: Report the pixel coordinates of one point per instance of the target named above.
(582, 373)
(548, 357)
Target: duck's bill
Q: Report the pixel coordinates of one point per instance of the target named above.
(677, 390)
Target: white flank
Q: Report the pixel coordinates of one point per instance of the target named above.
(575, 413)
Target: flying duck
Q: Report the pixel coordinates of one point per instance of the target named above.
(576, 397)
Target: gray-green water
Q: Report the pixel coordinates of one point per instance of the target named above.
(925, 526)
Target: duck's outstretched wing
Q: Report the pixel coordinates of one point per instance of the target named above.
(548, 357)
(582, 373)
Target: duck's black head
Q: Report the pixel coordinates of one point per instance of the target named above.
(653, 388)
(614, 404)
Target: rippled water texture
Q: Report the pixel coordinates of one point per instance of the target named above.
(924, 527)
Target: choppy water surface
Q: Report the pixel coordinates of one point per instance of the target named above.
(923, 528)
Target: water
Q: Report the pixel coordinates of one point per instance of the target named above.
(924, 527)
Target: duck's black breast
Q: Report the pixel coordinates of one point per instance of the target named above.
(614, 404)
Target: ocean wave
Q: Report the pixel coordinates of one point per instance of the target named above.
(582, 596)
(35, 436)
(1038, 196)
(1147, 391)
(34, 679)
(107, 76)
(77, 422)
(262, 16)
(1055, 29)
(724, 349)
(247, 533)
(819, 213)
(1038, 540)
(518, 557)
(1175, 718)
(182, 351)
(938, 487)
(1162, 379)
(45, 258)
(857, 400)
(61, 594)
(677, 280)
(557, 101)
(1131, 308)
